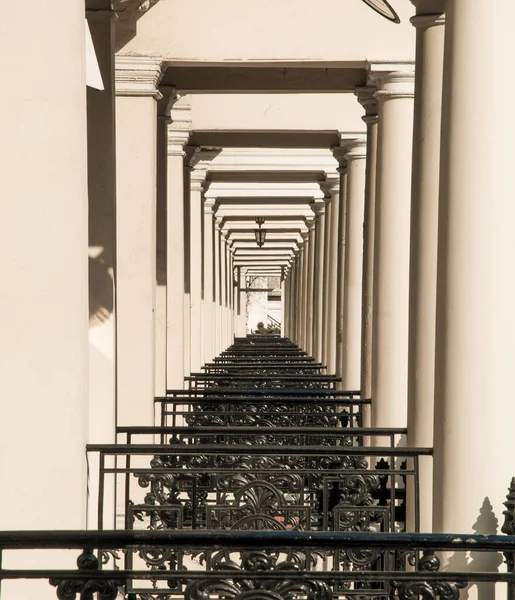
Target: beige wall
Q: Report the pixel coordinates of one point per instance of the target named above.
(334, 30)
(276, 111)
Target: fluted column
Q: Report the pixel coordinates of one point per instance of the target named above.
(197, 178)
(44, 266)
(367, 100)
(429, 22)
(136, 118)
(475, 321)
(391, 249)
(178, 135)
(356, 162)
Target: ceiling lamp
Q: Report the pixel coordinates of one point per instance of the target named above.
(384, 9)
(260, 233)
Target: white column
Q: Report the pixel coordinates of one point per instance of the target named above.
(310, 287)
(367, 100)
(318, 282)
(353, 269)
(332, 273)
(391, 250)
(197, 178)
(340, 272)
(218, 286)
(303, 281)
(187, 271)
(475, 320)
(136, 118)
(208, 306)
(424, 236)
(44, 266)
(178, 135)
(241, 329)
(102, 252)
(327, 249)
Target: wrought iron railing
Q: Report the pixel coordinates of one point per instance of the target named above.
(269, 565)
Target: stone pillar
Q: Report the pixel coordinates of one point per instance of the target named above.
(340, 271)
(241, 329)
(429, 22)
(218, 287)
(178, 135)
(391, 249)
(325, 306)
(475, 321)
(102, 253)
(44, 265)
(353, 269)
(187, 269)
(333, 188)
(310, 286)
(197, 178)
(318, 282)
(303, 287)
(136, 118)
(208, 306)
(367, 100)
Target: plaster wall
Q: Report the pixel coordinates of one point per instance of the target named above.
(267, 30)
(257, 303)
(276, 112)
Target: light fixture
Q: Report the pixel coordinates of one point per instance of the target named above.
(260, 233)
(384, 9)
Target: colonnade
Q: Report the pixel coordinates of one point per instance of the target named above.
(423, 264)
(402, 283)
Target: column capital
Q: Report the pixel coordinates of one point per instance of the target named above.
(366, 97)
(179, 130)
(138, 76)
(319, 207)
(393, 80)
(209, 206)
(197, 179)
(331, 185)
(356, 149)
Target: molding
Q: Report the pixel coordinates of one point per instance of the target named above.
(367, 99)
(197, 179)
(331, 186)
(356, 149)
(179, 129)
(137, 76)
(370, 119)
(209, 206)
(425, 21)
(393, 80)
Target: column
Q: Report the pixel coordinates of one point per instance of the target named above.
(186, 257)
(391, 249)
(318, 282)
(310, 287)
(44, 264)
(475, 321)
(197, 178)
(208, 299)
(136, 118)
(218, 287)
(178, 135)
(333, 189)
(303, 281)
(429, 23)
(367, 100)
(102, 252)
(325, 307)
(353, 269)
(340, 271)
(241, 330)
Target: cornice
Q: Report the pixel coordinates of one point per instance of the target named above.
(209, 206)
(356, 149)
(138, 76)
(197, 179)
(331, 186)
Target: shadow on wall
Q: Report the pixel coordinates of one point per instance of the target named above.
(486, 524)
(101, 303)
(129, 12)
